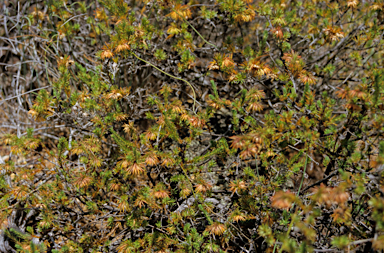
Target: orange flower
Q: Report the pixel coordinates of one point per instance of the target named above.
(129, 128)
(214, 104)
(254, 65)
(334, 33)
(352, 106)
(228, 62)
(359, 93)
(178, 108)
(135, 170)
(196, 122)
(120, 116)
(140, 202)
(233, 76)
(139, 32)
(152, 160)
(106, 54)
(237, 218)
(150, 135)
(185, 117)
(341, 197)
(237, 186)
(168, 162)
(329, 195)
(249, 152)
(255, 107)
(238, 141)
(161, 194)
(278, 32)
(307, 77)
(342, 93)
(203, 187)
(283, 200)
(123, 205)
(256, 138)
(161, 120)
(216, 228)
(114, 186)
(122, 47)
(293, 62)
(83, 181)
(124, 164)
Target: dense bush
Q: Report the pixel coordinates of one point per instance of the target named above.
(174, 126)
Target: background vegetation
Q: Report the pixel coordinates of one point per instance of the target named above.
(200, 126)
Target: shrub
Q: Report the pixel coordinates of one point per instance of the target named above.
(174, 126)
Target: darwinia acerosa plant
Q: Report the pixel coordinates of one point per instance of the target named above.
(175, 126)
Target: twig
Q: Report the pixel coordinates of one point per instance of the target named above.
(6, 99)
(322, 180)
(178, 78)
